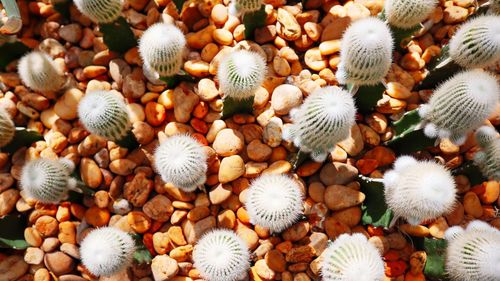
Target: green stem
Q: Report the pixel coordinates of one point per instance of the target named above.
(410, 141)
(175, 80)
(298, 158)
(129, 141)
(367, 96)
(254, 20)
(233, 106)
(22, 137)
(118, 36)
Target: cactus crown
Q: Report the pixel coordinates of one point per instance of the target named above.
(241, 73)
(324, 119)
(476, 44)
(221, 255)
(7, 128)
(419, 190)
(37, 71)
(46, 180)
(161, 47)
(352, 257)
(366, 52)
(245, 6)
(274, 201)
(488, 159)
(460, 105)
(473, 253)
(182, 161)
(106, 251)
(408, 13)
(105, 114)
(100, 11)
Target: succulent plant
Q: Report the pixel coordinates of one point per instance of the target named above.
(105, 114)
(419, 190)
(488, 159)
(10, 17)
(161, 47)
(460, 105)
(352, 257)
(324, 119)
(107, 250)
(274, 202)
(182, 161)
(366, 53)
(7, 128)
(221, 255)
(406, 14)
(241, 73)
(245, 6)
(473, 253)
(476, 44)
(100, 11)
(38, 72)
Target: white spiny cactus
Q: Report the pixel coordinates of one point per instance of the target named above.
(406, 14)
(241, 7)
(7, 128)
(274, 202)
(105, 114)
(100, 11)
(38, 72)
(476, 44)
(221, 255)
(473, 253)
(488, 159)
(241, 73)
(324, 119)
(460, 105)
(419, 190)
(366, 52)
(352, 258)
(105, 251)
(161, 47)
(47, 180)
(182, 161)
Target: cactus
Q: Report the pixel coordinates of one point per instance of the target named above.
(245, 6)
(476, 44)
(419, 190)
(47, 180)
(12, 22)
(324, 119)
(460, 105)
(7, 128)
(488, 159)
(473, 253)
(161, 47)
(252, 12)
(352, 257)
(100, 11)
(38, 72)
(106, 251)
(221, 255)
(407, 14)
(182, 161)
(274, 202)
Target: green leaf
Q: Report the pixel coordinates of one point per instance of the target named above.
(179, 4)
(375, 211)
(296, 159)
(173, 81)
(368, 96)
(440, 70)
(141, 254)
(118, 36)
(232, 106)
(254, 20)
(436, 251)
(12, 232)
(81, 185)
(402, 36)
(472, 172)
(22, 137)
(62, 7)
(407, 123)
(11, 51)
(129, 141)
(410, 142)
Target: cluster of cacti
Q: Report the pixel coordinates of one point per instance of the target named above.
(419, 190)
(221, 255)
(488, 159)
(324, 119)
(245, 6)
(473, 253)
(100, 11)
(182, 161)
(407, 14)
(105, 251)
(37, 71)
(352, 257)
(7, 128)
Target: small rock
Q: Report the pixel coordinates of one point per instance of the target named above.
(220, 193)
(338, 197)
(353, 145)
(194, 230)
(272, 134)
(337, 173)
(90, 173)
(71, 33)
(12, 268)
(258, 151)
(163, 267)
(284, 98)
(300, 254)
(8, 201)
(159, 208)
(59, 263)
(184, 102)
(228, 142)
(137, 190)
(275, 261)
(33, 255)
(296, 231)
(263, 270)
(231, 168)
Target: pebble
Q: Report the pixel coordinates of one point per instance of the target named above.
(353, 145)
(137, 191)
(337, 173)
(272, 134)
(338, 197)
(220, 193)
(12, 268)
(231, 168)
(296, 232)
(334, 228)
(258, 151)
(472, 205)
(175, 235)
(228, 142)
(455, 14)
(164, 267)
(284, 98)
(194, 230)
(90, 173)
(8, 201)
(159, 208)
(122, 167)
(33, 255)
(263, 270)
(182, 253)
(59, 263)
(249, 236)
(319, 242)
(275, 260)
(71, 32)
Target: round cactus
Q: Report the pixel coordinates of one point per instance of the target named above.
(38, 72)
(274, 202)
(100, 11)
(324, 119)
(161, 47)
(7, 128)
(245, 6)
(406, 14)
(460, 105)
(105, 251)
(473, 253)
(46, 180)
(241, 73)
(419, 190)
(221, 255)
(488, 159)
(105, 114)
(366, 53)
(352, 257)
(476, 44)
(182, 161)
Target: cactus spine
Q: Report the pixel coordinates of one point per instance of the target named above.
(406, 14)
(488, 159)
(100, 11)
(7, 128)
(245, 6)
(38, 72)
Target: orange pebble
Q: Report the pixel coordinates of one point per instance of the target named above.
(148, 242)
(375, 231)
(395, 268)
(366, 166)
(411, 277)
(391, 255)
(155, 113)
(199, 125)
(200, 138)
(138, 221)
(77, 210)
(97, 216)
(200, 110)
(243, 215)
